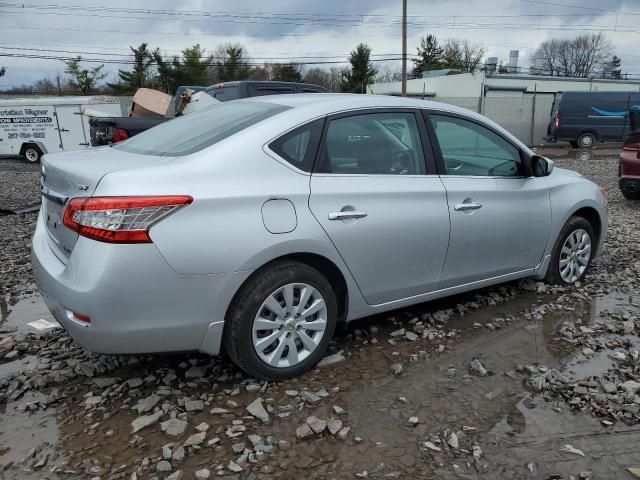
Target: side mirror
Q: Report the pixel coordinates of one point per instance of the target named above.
(541, 166)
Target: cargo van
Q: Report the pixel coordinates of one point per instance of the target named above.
(31, 127)
(584, 118)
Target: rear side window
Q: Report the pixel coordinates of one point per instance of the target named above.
(299, 146)
(200, 129)
(373, 144)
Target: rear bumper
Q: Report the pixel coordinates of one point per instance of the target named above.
(136, 302)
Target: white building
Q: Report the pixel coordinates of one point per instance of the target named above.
(520, 103)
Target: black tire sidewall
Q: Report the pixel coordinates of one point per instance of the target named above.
(38, 153)
(590, 135)
(573, 224)
(238, 325)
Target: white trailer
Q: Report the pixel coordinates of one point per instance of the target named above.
(31, 127)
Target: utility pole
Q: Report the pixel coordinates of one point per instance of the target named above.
(404, 48)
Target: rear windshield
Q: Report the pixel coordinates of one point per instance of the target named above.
(200, 129)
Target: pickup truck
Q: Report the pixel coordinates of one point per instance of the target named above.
(110, 130)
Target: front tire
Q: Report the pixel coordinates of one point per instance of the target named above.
(572, 252)
(280, 323)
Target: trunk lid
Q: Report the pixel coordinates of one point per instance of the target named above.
(77, 174)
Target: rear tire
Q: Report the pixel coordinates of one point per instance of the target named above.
(32, 154)
(276, 299)
(586, 140)
(572, 253)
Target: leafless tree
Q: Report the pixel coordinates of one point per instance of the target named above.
(581, 57)
(318, 76)
(389, 72)
(462, 55)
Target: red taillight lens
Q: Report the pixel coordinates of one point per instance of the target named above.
(80, 317)
(119, 134)
(556, 122)
(120, 219)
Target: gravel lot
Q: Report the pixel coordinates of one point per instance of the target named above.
(518, 381)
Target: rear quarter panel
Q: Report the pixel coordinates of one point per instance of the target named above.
(223, 230)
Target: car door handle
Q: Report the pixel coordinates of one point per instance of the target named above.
(346, 215)
(461, 207)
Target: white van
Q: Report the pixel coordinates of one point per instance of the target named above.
(31, 127)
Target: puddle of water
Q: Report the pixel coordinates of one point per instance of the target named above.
(26, 309)
(512, 425)
(20, 432)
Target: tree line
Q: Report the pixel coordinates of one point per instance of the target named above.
(195, 66)
(587, 55)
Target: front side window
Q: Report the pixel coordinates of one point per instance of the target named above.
(470, 149)
(200, 129)
(373, 144)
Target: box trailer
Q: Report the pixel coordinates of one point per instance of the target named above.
(31, 127)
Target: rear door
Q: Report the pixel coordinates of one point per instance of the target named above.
(500, 217)
(385, 212)
(71, 128)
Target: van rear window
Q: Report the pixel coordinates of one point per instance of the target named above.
(200, 129)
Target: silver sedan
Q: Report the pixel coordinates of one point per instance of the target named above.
(260, 224)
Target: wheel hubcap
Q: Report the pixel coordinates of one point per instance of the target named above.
(575, 256)
(289, 325)
(31, 155)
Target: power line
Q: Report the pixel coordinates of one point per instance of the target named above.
(208, 64)
(447, 26)
(582, 7)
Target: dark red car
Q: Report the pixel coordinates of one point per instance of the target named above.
(629, 167)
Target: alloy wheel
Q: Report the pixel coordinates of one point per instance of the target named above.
(289, 325)
(575, 255)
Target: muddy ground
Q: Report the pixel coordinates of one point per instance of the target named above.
(518, 381)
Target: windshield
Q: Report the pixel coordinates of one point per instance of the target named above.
(195, 131)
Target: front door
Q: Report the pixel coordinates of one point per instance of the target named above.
(500, 217)
(371, 193)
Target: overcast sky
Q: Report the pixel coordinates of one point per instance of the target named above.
(296, 29)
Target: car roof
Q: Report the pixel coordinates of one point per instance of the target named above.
(346, 101)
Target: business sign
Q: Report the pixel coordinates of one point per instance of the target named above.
(26, 123)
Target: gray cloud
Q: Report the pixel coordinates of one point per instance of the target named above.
(336, 32)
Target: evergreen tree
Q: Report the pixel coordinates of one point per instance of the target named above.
(83, 79)
(231, 62)
(614, 66)
(288, 72)
(191, 69)
(430, 55)
(139, 76)
(361, 73)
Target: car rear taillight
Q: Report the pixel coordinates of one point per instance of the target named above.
(556, 121)
(119, 134)
(120, 219)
